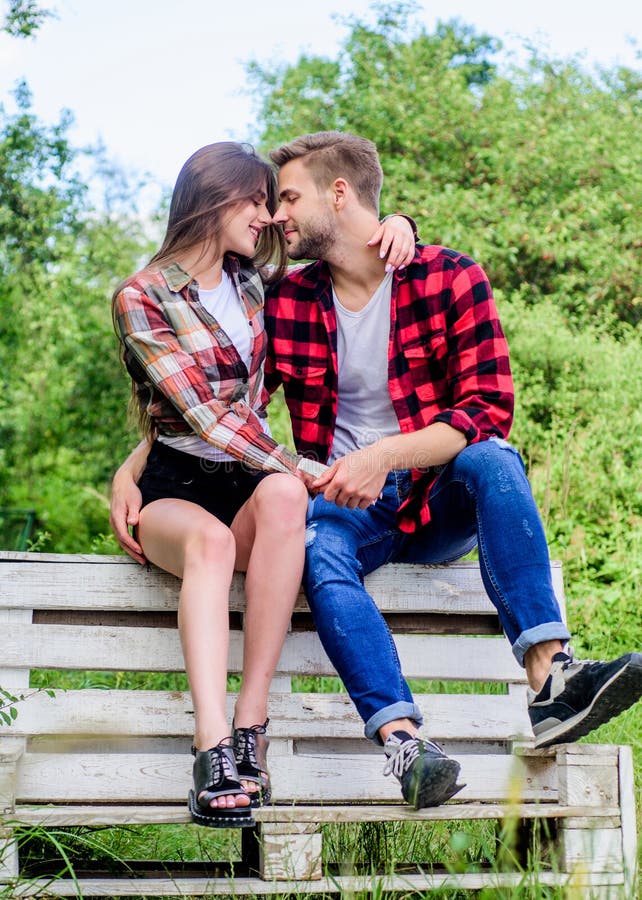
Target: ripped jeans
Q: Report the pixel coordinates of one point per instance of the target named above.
(481, 497)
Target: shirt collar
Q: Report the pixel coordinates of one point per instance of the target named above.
(177, 278)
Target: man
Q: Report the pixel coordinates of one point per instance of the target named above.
(401, 382)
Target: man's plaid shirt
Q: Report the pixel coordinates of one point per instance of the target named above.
(447, 357)
(189, 377)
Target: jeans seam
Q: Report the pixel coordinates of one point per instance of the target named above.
(482, 547)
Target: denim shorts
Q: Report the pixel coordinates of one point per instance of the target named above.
(219, 487)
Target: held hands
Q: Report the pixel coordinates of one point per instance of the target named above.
(356, 480)
(396, 240)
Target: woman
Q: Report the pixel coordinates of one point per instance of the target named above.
(219, 494)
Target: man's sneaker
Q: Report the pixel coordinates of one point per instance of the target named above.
(579, 695)
(428, 777)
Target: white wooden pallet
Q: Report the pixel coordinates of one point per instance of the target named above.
(99, 757)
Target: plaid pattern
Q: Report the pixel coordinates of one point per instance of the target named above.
(448, 358)
(188, 374)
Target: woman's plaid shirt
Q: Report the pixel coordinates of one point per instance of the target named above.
(447, 358)
(188, 374)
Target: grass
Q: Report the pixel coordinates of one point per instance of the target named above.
(367, 848)
(459, 847)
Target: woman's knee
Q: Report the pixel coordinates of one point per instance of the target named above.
(281, 501)
(212, 543)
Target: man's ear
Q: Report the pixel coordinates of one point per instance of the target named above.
(340, 190)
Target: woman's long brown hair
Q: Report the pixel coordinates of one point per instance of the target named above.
(214, 179)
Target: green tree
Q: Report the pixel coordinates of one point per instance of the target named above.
(535, 171)
(23, 18)
(63, 398)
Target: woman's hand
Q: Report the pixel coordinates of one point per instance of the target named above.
(126, 501)
(396, 239)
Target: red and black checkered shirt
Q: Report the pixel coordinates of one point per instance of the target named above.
(447, 358)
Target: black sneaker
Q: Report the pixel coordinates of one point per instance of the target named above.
(579, 695)
(428, 777)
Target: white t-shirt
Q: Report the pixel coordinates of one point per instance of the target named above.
(225, 305)
(365, 412)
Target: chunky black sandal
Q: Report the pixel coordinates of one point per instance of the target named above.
(215, 774)
(250, 752)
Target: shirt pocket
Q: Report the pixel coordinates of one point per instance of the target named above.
(305, 382)
(427, 361)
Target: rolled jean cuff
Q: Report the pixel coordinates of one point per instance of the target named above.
(400, 710)
(548, 631)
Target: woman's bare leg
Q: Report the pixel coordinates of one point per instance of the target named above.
(270, 547)
(184, 539)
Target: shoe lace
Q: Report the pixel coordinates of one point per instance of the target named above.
(401, 758)
(221, 765)
(246, 742)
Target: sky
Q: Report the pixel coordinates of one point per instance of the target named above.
(153, 80)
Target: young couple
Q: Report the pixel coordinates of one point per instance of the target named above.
(396, 375)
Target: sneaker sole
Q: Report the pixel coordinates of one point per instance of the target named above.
(617, 695)
(435, 782)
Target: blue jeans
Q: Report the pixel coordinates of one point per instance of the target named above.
(481, 497)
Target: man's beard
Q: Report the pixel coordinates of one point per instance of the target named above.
(315, 240)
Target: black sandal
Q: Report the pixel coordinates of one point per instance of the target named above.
(215, 774)
(250, 752)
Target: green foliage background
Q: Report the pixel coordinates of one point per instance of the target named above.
(536, 171)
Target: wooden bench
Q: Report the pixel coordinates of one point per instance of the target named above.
(97, 757)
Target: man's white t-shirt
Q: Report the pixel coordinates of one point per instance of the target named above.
(365, 412)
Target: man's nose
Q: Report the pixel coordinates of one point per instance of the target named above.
(280, 216)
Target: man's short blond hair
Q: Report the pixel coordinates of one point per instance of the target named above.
(334, 154)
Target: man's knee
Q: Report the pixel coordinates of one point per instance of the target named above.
(495, 461)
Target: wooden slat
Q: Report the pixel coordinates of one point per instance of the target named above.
(143, 814)
(13, 679)
(158, 649)
(148, 778)
(48, 581)
(106, 713)
(409, 884)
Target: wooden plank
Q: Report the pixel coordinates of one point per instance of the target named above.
(50, 581)
(284, 855)
(15, 678)
(591, 848)
(8, 855)
(148, 778)
(142, 649)
(176, 814)
(409, 884)
(106, 713)
(11, 751)
(590, 785)
(629, 825)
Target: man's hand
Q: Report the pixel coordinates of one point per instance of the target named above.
(356, 480)
(126, 500)
(396, 241)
